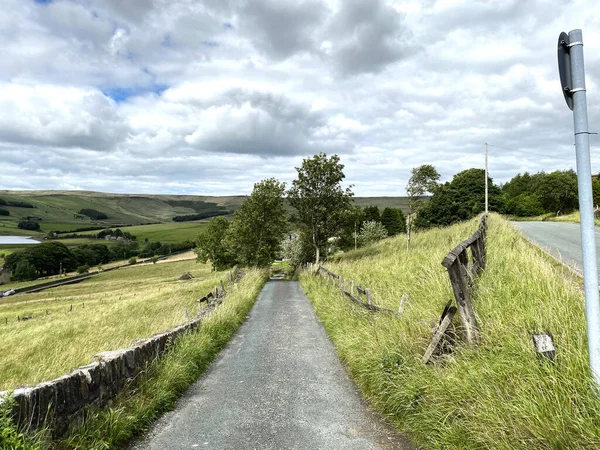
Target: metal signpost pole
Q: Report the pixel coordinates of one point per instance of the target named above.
(573, 46)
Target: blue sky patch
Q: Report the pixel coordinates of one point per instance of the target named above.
(121, 94)
(43, 2)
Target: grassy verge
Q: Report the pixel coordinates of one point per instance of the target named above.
(71, 323)
(157, 390)
(498, 395)
(574, 217)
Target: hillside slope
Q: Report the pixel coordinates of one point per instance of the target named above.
(499, 394)
(59, 210)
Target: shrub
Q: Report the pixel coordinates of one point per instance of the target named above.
(371, 232)
(132, 260)
(10, 436)
(4, 212)
(83, 269)
(154, 259)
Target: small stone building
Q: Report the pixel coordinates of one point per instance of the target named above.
(4, 275)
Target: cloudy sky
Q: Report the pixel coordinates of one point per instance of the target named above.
(209, 97)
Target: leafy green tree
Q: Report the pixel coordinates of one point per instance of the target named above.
(319, 198)
(210, 245)
(350, 222)
(460, 199)
(258, 227)
(371, 232)
(25, 271)
(524, 205)
(371, 213)
(4, 212)
(394, 221)
(423, 181)
(557, 191)
(83, 269)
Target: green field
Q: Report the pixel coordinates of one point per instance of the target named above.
(110, 311)
(499, 394)
(164, 232)
(58, 210)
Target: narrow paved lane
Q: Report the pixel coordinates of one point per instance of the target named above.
(277, 385)
(560, 239)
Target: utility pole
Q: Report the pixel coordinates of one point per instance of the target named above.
(572, 76)
(486, 178)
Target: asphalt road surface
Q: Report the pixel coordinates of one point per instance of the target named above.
(277, 385)
(560, 239)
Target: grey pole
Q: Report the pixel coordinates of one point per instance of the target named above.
(586, 206)
(486, 178)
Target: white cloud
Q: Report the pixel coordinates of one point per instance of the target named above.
(212, 96)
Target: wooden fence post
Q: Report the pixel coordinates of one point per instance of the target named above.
(460, 287)
(369, 298)
(229, 277)
(351, 287)
(222, 287)
(439, 333)
(359, 292)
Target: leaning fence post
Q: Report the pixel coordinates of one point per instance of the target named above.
(222, 287)
(229, 277)
(369, 299)
(460, 287)
(439, 333)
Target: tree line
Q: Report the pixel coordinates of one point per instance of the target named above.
(325, 219)
(49, 258)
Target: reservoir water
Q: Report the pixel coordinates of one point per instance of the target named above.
(13, 240)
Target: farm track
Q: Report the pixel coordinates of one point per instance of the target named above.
(278, 384)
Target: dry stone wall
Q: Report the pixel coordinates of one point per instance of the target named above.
(61, 401)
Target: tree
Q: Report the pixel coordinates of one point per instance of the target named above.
(4, 212)
(423, 181)
(319, 198)
(558, 192)
(371, 213)
(210, 245)
(460, 199)
(258, 227)
(350, 221)
(25, 271)
(394, 221)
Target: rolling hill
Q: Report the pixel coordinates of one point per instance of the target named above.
(59, 210)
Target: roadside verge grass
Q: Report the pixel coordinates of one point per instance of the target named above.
(498, 394)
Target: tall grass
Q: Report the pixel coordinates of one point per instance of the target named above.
(109, 311)
(497, 395)
(158, 388)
